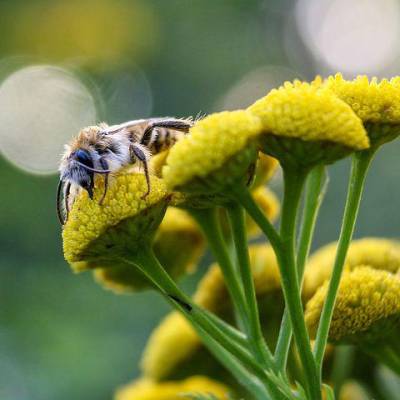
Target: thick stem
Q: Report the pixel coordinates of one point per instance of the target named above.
(209, 223)
(294, 182)
(342, 366)
(360, 164)
(315, 191)
(257, 341)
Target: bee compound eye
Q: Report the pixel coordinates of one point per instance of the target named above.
(83, 156)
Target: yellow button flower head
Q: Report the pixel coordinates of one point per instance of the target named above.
(97, 236)
(367, 307)
(177, 231)
(378, 253)
(352, 390)
(377, 103)
(173, 342)
(304, 125)
(265, 169)
(174, 350)
(216, 154)
(145, 389)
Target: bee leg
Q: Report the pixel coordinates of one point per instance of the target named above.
(104, 165)
(141, 156)
(168, 123)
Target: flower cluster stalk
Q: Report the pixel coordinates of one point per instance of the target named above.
(315, 190)
(360, 164)
(294, 182)
(261, 350)
(148, 264)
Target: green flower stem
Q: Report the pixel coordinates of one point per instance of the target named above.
(243, 376)
(209, 223)
(260, 348)
(360, 164)
(148, 264)
(229, 330)
(244, 197)
(315, 191)
(342, 366)
(294, 182)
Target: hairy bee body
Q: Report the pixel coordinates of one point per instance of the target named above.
(106, 149)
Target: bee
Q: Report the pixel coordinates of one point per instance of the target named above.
(106, 149)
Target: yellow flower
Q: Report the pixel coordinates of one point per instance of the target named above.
(265, 169)
(304, 124)
(145, 389)
(170, 344)
(212, 292)
(352, 390)
(377, 103)
(367, 306)
(177, 231)
(216, 154)
(378, 253)
(175, 350)
(97, 236)
(178, 243)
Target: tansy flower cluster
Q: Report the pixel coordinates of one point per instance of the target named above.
(234, 337)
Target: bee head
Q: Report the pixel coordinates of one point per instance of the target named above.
(82, 163)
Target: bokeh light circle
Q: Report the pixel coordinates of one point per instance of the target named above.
(255, 84)
(358, 36)
(41, 108)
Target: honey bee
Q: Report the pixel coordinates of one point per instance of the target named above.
(106, 149)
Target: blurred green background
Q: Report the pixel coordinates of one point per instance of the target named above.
(61, 335)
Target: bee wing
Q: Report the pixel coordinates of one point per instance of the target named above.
(109, 130)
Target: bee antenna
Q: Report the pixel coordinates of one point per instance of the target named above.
(98, 171)
(59, 212)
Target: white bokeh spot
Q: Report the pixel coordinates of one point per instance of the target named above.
(355, 37)
(41, 108)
